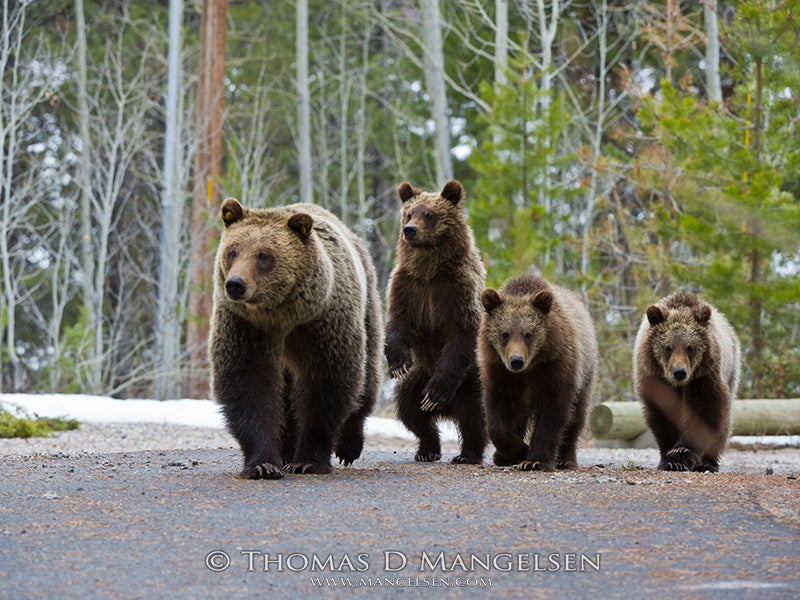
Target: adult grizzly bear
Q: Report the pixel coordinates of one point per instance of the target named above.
(686, 368)
(433, 315)
(295, 338)
(538, 356)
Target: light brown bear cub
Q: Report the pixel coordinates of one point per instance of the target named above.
(687, 363)
(434, 311)
(538, 358)
(296, 338)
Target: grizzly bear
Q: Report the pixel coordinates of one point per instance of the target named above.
(538, 358)
(687, 363)
(433, 315)
(296, 337)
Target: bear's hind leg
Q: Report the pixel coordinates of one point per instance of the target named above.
(318, 408)
(567, 457)
(420, 423)
(467, 410)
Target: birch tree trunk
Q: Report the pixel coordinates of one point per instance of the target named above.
(501, 42)
(435, 84)
(713, 85)
(167, 317)
(303, 105)
(84, 184)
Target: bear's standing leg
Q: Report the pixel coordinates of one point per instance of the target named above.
(667, 437)
(568, 450)
(507, 425)
(320, 407)
(708, 408)
(419, 422)
(551, 413)
(467, 411)
(247, 382)
(350, 441)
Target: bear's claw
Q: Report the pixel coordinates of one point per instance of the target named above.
(299, 468)
(427, 456)
(262, 471)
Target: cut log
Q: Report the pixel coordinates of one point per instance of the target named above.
(625, 421)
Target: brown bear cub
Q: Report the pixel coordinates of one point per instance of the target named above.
(538, 357)
(433, 315)
(296, 337)
(687, 362)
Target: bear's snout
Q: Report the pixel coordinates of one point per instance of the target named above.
(410, 232)
(236, 288)
(516, 362)
(679, 373)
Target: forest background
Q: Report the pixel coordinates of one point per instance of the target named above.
(624, 149)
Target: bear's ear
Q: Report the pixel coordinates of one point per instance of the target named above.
(490, 300)
(301, 224)
(231, 211)
(656, 315)
(406, 191)
(542, 301)
(702, 313)
(453, 191)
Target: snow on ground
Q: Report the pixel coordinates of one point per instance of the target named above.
(195, 413)
(205, 413)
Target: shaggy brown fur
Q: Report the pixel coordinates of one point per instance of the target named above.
(538, 357)
(295, 338)
(433, 316)
(687, 363)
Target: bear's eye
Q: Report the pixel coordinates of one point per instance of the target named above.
(406, 218)
(264, 259)
(689, 350)
(668, 349)
(428, 216)
(528, 336)
(504, 336)
(232, 254)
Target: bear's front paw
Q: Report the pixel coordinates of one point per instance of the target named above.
(534, 465)
(463, 459)
(427, 456)
(307, 468)
(400, 371)
(433, 401)
(348, 450)
(707, 465)
(566, 464)
(263, 470)
(679, 459)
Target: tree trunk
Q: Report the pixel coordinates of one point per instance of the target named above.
(434, 81)
(303, 105)
(167, 323)
(713, 85)
(205, 195)
(501, 42)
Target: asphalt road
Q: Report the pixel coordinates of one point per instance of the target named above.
(179, 524)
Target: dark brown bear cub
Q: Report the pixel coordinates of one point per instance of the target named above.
(433, 316)
(295, 344)
(538, 358)
(687, 362)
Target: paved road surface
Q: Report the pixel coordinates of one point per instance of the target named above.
(157, 524)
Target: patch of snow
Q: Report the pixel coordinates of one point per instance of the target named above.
(195, 413)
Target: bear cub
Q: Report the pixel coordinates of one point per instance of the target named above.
(296, 338)
(433, 316)
(538, 361)
(686, 369)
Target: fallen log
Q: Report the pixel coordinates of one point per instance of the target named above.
(625, 421)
